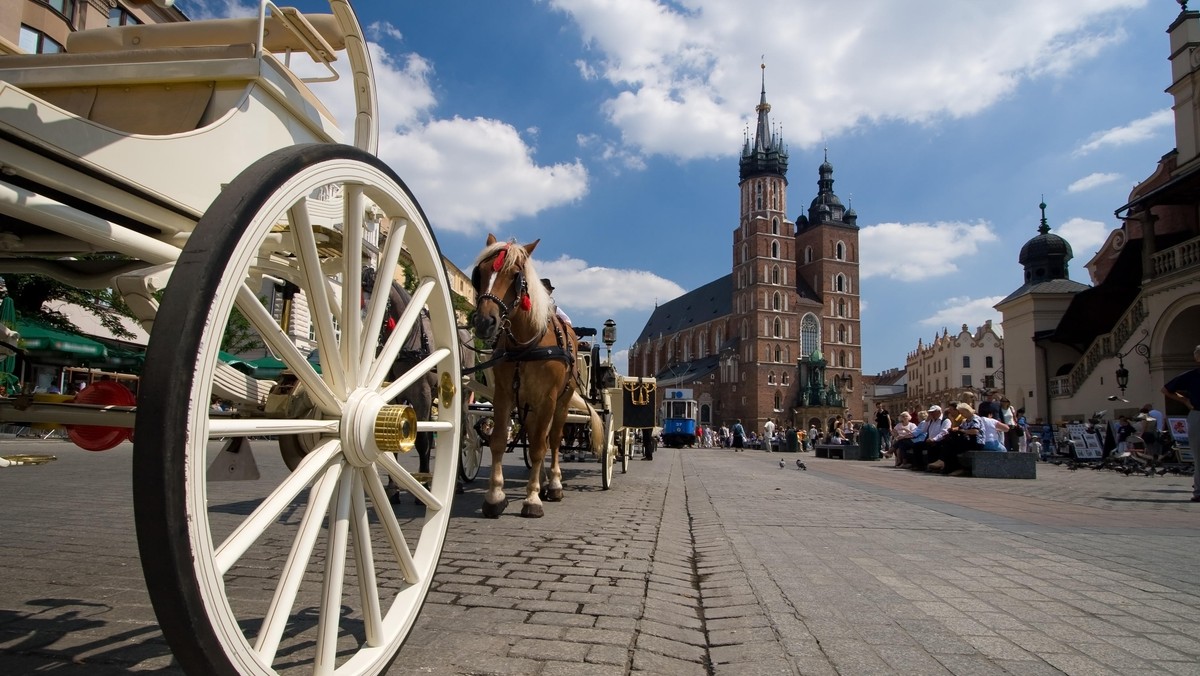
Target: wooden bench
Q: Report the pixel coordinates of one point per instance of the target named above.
(998, 465)
(840, 451)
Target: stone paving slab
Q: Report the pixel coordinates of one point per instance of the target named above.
(700, 562)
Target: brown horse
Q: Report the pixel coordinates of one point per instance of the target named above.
(534, 370)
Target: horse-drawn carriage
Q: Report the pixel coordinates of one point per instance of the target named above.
(190, 169)
(624, 406)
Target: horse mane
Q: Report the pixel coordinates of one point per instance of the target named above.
(517, 260)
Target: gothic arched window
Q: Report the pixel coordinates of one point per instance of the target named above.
(810, 334)
(777, 328)
(776, 303)
(808, 254)
(775, 221)
(775, 275)
(774, 249)
(839, 251)
(758, 196)
(839, 283)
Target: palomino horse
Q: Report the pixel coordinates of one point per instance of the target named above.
(534, 369)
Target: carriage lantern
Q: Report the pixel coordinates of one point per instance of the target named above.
(609, 336)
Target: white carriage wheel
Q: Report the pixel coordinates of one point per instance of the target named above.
(607, 454)
(311, 570)
(471, 455)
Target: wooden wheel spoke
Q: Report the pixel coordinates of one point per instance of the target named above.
(353, 213)
(395, 341)
(254, 427)
(294, 568)
(391, 527)
(317, 292)
(318, 390)
(388, 263)
(250, 530)
(330, 614)
(364, 563)
(408, 482)
(415, 373)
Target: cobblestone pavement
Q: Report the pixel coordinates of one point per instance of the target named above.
(700, 562)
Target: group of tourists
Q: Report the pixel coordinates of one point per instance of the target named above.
(933, 439)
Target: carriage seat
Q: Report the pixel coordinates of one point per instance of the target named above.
(286, 31)
(189, 73)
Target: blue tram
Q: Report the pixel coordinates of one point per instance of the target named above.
(679, 413)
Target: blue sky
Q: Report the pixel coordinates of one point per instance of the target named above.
(610, 130)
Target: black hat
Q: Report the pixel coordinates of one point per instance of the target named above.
(546, 283)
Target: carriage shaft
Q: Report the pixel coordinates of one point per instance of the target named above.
(68, 414)
(55, 216)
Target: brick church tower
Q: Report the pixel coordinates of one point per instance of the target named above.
(764, 262)
(777, 337)
(828, 273)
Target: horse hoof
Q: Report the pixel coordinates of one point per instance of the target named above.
(494, 511)
(554, 495)
(532, 511)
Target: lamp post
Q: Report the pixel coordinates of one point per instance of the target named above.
(1123, 373)
(609, 336)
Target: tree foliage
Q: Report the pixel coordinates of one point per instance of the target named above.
(31, 293)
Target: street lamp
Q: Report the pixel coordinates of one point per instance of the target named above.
(609, 336)
(1123, 373)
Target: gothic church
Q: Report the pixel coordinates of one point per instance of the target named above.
(777, 338)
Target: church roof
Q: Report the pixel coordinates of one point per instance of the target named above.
(704, 304)
(1052, 286)
(686, 372)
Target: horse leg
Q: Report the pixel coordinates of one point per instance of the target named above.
(494, 499)
(532, 507)
(554, 488)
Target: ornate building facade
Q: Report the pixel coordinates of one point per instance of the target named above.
(1073, 349)
(777, 338)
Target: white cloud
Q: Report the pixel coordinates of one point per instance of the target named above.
(1084, 236)
(1093, 180)
(581, 287)
(470, 174)
(476, 174)
(962, 310)
(916, 251)
(680, 68)
(1134, 132)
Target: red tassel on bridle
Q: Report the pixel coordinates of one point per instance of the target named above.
(526, 304)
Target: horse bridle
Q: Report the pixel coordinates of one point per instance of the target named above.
(520, 284)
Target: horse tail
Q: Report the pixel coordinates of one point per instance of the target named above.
(597, 425)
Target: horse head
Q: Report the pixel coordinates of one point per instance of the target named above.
(505, 300)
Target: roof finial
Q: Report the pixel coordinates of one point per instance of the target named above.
(1044, 227)
(1183, 5)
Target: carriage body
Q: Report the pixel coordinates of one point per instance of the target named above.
(189, 168)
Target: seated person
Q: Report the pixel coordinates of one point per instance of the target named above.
(993, 434)
(903, 430)
(918, 450)
(967, 436)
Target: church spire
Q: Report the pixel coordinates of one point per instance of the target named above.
(762, 136)
(766, 154)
